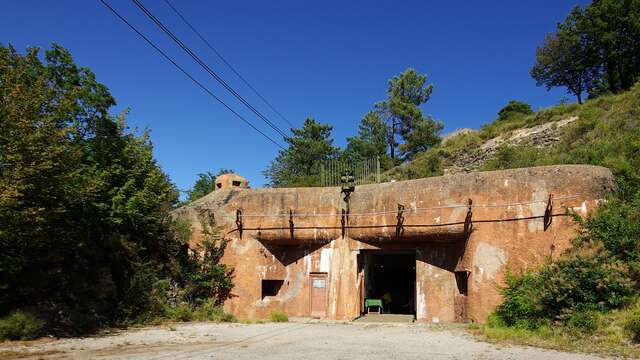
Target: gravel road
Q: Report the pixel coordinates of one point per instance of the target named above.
(282, 341)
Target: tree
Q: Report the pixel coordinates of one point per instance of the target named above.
(405, 94)
(567, 58)
(85, 225)
(205, 184)
(514, 107)
(613, 29)
(593, 49)
(371, 140)
(424, 135)
(299, 164)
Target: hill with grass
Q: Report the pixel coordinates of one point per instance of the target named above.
(603, 131)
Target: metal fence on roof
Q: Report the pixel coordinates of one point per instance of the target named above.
(364, 172)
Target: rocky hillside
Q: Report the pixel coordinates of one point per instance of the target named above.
(599, 132)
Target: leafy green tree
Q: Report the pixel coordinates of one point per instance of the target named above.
(593, 49)
(371, 140)
(85, 225)
(405, 94)
(613, 29)
(567, 58)
(299, 164)
(424, 135)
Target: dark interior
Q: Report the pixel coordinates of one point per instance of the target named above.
(392, 277)
(271, 287)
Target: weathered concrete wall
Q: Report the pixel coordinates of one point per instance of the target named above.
(502, 236)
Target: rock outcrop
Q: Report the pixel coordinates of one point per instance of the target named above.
(539, 136)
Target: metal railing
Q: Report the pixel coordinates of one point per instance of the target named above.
(364, 172)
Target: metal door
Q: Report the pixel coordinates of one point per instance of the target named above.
(318, 295)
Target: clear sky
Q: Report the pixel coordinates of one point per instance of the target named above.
(327, 59)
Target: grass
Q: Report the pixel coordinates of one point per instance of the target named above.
(279, 316)
(603, 124)
(612, 337)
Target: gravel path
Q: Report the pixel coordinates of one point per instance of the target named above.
(282, 341)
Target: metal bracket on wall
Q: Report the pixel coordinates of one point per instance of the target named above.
(343, 222)
(291, 223)
(468, 224)
(400, 221)
(548, 213)
(239, 222)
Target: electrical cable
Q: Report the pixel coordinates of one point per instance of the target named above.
(219, 55)
(182, 70)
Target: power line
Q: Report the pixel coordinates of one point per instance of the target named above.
(182, 70)
(215, 51)
(197, 59)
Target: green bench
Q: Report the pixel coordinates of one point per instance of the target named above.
(373, 302)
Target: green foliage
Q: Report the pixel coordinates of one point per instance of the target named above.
(617, 227)
(210, 311)
(20, 325)
(86, 236)
(632, 323)
(299, 164)
(594, 48)
(425, 134)
(427, 164)
(279, 316)
(565, 59)
(511, 157)
(514, 108)
(585, 278)
(584, 321)
(405, 94)
(371, 140)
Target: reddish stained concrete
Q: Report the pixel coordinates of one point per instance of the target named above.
(500, 238)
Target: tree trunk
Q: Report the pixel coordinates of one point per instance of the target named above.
(392, 140)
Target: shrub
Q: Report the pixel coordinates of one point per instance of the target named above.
(585, 278)
(279, 316)
(182, 312)
(632, 324)
(584, 321)
(512, 157)
(521, 306)
(20, 325)
(209, 311)
(514, 107)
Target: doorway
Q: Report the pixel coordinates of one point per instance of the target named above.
(390, 277)
(318, 295)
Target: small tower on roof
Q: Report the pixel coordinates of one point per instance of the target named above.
(231, 181)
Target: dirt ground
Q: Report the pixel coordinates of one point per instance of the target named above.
(301, 339)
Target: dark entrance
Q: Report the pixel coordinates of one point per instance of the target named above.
(391, 277)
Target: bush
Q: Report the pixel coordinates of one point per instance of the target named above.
(513, 108)
(632, 324)
(182, 312)
(209, 311)
(584, 321)
(521, 306)
(512, 157)
(20, 325)
(279, 316)
(587, 277)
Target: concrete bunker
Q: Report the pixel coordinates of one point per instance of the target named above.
(441, 257)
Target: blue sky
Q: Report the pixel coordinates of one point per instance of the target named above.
(327, 59)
